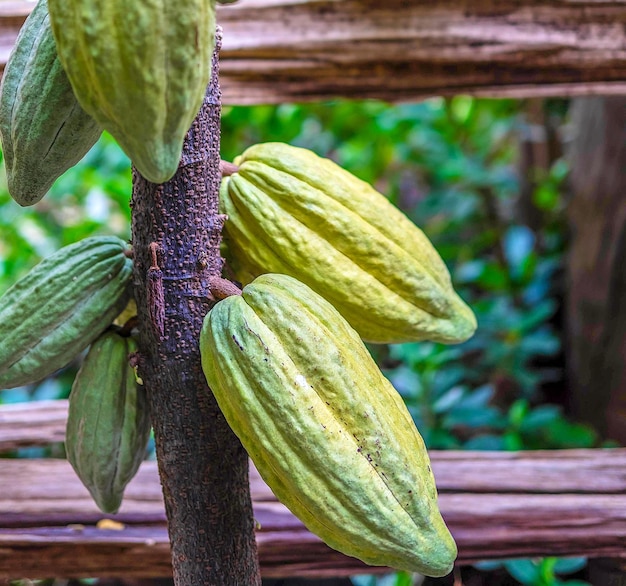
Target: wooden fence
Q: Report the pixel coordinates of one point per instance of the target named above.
(497, 504)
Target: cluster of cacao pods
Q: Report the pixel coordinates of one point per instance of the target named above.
(63, 305)
(327, 261)
(138, 70)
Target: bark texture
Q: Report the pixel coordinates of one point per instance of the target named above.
(202, 465)
(295, 50)
(596, 306)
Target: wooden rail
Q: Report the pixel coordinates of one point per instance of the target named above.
(497, 504)
(296, 50)
(32, 424)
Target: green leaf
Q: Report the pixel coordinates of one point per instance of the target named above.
(525, 571)
(569, 565)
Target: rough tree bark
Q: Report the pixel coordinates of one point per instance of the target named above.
(202, 465)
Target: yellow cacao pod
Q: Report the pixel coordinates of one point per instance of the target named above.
(140, 69)
(327, 432)
(290, 211)
(108, 425)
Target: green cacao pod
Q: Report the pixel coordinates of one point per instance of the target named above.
(327, 432)
(290, 211)
(57, 309)
(140, 69)
(44, 130)
(108, 425)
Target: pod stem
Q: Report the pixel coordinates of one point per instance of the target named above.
(222, 288)
(126, 330)
(228, 169)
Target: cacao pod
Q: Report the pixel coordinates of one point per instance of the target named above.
(290, 211)
(108, 425)
(44, 130)
(140, 69)
(57, 309)
(327, 432)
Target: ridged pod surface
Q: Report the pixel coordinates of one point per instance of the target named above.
(57, 309)
(140, 69)
(327, 432)
(290, 211)
(108, 425)
(44, 130)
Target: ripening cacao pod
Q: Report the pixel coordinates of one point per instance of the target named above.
(290, 211)
(140, 69)
(108, 425)
(57, 309)
(44, 130)
(326, 430)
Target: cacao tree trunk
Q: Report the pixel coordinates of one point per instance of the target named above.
(596, 307)
(176, 232)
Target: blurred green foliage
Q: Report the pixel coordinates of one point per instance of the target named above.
(541, 572)
(452, 165)
(91, 198)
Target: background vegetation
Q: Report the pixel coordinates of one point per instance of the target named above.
(454, 167)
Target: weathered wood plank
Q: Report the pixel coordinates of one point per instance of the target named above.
(297, 50)
(47, 520)
(144, 552)
(498, 504)
(547, 471)
(584, 471)
(32, 424)
(48, 492)
(502, 529)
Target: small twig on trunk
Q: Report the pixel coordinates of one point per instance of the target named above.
(154, 293)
